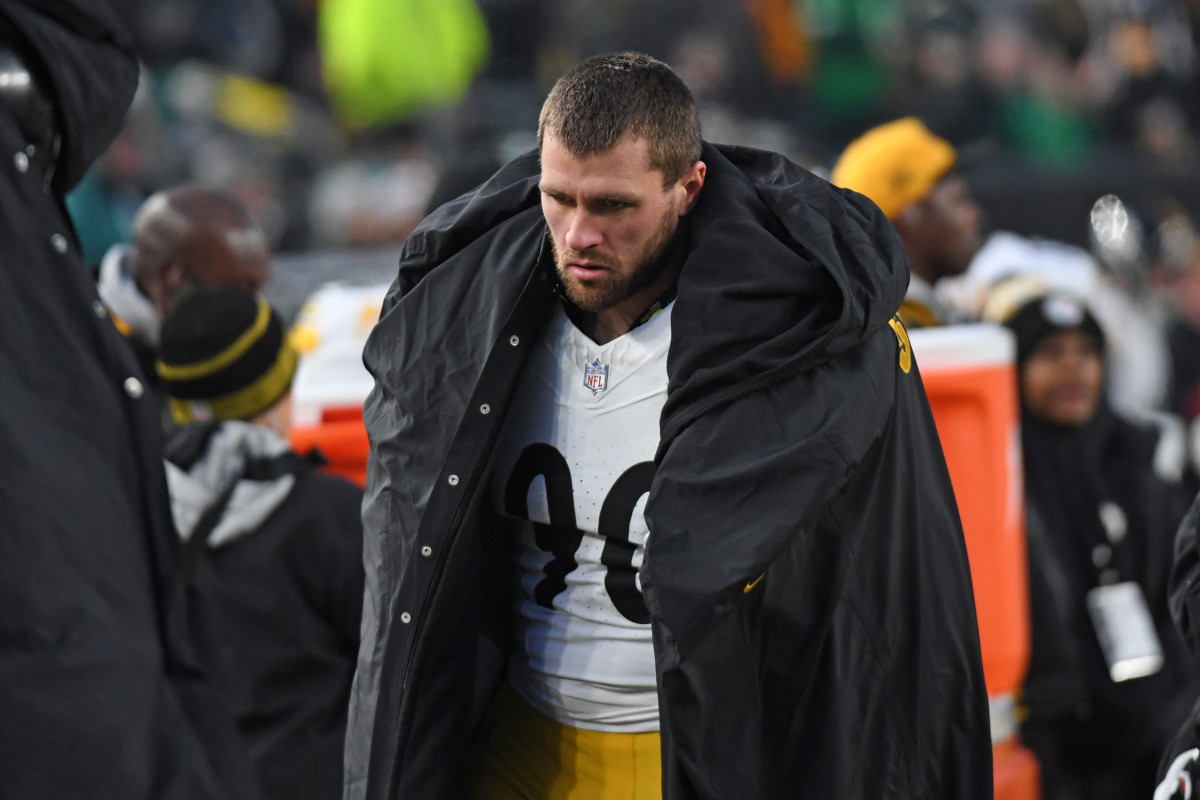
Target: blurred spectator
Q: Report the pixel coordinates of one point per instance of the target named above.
(715, 46)
(1108, 680)
(1154, 58)
(1005, 255)
(272, 40)
(911, 176)
(272, 549)
(387, 60)
(787, 47)
(191, 235)
(861, 46)
(944, 89)
(100, 689)
(104, 203)
(1045, 94)
(1116, 276)
(184, 236)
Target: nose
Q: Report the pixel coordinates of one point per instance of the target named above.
(582, 231)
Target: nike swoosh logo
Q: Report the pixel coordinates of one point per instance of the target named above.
(750, 586)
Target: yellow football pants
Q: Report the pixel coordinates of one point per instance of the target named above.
(529, 756)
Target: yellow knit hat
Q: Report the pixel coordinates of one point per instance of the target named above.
(895, 164)
(224, 354)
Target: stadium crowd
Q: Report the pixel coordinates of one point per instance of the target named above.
(232, 93)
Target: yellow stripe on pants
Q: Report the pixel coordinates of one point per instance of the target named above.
(529, 756)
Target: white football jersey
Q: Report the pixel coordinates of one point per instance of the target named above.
(574, 465)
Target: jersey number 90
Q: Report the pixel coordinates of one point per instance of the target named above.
(562, 537)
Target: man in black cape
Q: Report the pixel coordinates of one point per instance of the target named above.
(803, 592)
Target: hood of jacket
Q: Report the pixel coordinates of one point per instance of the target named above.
(196, 482)
(786, 272)
(86, 55)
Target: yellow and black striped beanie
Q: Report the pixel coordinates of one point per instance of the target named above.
(224, 354)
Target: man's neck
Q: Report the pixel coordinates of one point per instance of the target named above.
(604, 326)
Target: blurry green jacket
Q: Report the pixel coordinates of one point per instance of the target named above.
(386, 60)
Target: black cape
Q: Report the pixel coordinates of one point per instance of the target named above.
(796, 447)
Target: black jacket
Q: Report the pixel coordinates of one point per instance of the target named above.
(100, 694)
(276, 587)
(796, 444)
(1184, 599)
(1184, 587)
(1096, 504)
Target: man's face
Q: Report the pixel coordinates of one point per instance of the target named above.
(947, 231)
(1062, 379)
(610, 218)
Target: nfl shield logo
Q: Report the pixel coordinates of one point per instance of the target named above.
(595, 376)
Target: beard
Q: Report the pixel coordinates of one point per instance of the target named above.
(621, 282)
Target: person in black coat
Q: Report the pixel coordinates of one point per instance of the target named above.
(1108, 679)
(272, 548)
(101, 693)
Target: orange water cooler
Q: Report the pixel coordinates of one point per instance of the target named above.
(340, 436)
(331, 382)
(970, 378)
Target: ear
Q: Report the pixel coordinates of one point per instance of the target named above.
(692, 182)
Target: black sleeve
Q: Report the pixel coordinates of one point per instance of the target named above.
(1179, 763)
(1184, 585)
(327, 557)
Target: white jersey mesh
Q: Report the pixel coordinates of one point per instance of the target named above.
(584, 655)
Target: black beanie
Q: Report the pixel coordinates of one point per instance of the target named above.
(1050, 313)
(223, 354)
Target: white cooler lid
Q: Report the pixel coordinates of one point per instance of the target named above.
(949, 347)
